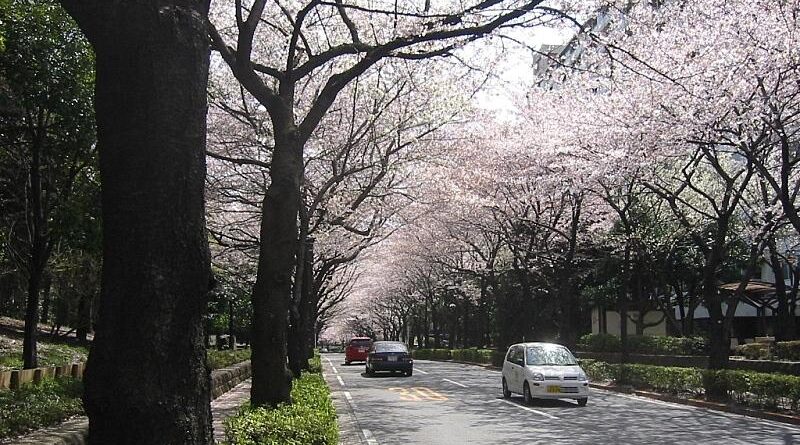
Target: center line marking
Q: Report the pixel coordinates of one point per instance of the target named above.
(334, 370)
(348, 396)
(421, 371)
(541, 413)
(339, 378)
(456, 383)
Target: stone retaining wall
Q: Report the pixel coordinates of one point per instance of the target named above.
(75, 431)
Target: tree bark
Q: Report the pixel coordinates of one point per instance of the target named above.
(147, 381)
(272, 380)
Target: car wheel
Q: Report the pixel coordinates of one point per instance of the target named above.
(346, 363)
(583, 401)
(526, 394)
(370, 371)
(506, 392)
(409, 372)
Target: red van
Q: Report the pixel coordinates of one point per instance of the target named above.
(357, 350)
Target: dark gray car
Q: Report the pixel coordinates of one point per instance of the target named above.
(389, 356)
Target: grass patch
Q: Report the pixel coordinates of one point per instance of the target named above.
(37, 406)
(49, 354)
(310, 420)
(225, 358)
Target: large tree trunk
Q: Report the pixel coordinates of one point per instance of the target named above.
(147, 381)
(272, 381)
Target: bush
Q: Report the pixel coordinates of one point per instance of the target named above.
(788, 350)
(309, 420)
(431, 354)
(39, 405)
(599, 343)
(227, 357)
(315, 363)
(758, 389)
(472, 355)
(754, 351)
(643, 344)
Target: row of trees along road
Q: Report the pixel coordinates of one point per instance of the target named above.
(151, 69)
(49, 190)
(638, 179)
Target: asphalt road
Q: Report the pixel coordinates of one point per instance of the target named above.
(451, 403)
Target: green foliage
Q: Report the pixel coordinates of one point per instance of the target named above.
(40, 405)
(472, 355)
(757, 389)
(225, 358)
(50, 354)
(309, 420)
(315, 363)
(754, 351)
(788, 350)
(432, 354)
(782, 350)
(644, 344)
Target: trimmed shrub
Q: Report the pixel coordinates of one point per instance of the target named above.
(227, 357)
(643, 344)
(788, 350)
(315, 363)
(758, 389)
(754, 351)
(309, 420)
(431, 354)
(39, 405)
(599, 343)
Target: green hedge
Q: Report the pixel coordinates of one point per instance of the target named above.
(40, 405)
(644, 344)
(745, 387)
(472, 355)
(782, 350)
(309, 420)
(226, 357)
(788, 350)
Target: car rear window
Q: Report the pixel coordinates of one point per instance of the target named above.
(390, 347)
(360, 343)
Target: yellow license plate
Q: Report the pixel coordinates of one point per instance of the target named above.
(554, 389)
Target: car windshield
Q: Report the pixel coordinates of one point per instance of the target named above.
(360, 343)
(550, 355)
(390, 347)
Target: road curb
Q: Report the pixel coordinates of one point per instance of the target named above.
(349, 431)
(715, 406)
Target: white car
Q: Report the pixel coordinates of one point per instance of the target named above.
(544, 371)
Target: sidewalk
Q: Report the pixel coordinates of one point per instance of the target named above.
(228, 405)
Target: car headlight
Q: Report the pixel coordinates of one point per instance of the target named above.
(537, 377)
(582, 377)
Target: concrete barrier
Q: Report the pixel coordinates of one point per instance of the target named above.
(15, 378)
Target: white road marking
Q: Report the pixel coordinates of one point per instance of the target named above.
(541, 413)
(348, 396)
(421, 371)
(339, 378)
(368, 435)
(456, 383)
(334, 370)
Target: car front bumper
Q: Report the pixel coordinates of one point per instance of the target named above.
(571, 390)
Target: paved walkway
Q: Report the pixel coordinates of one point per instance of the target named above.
(228, 405)
(73, 432)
